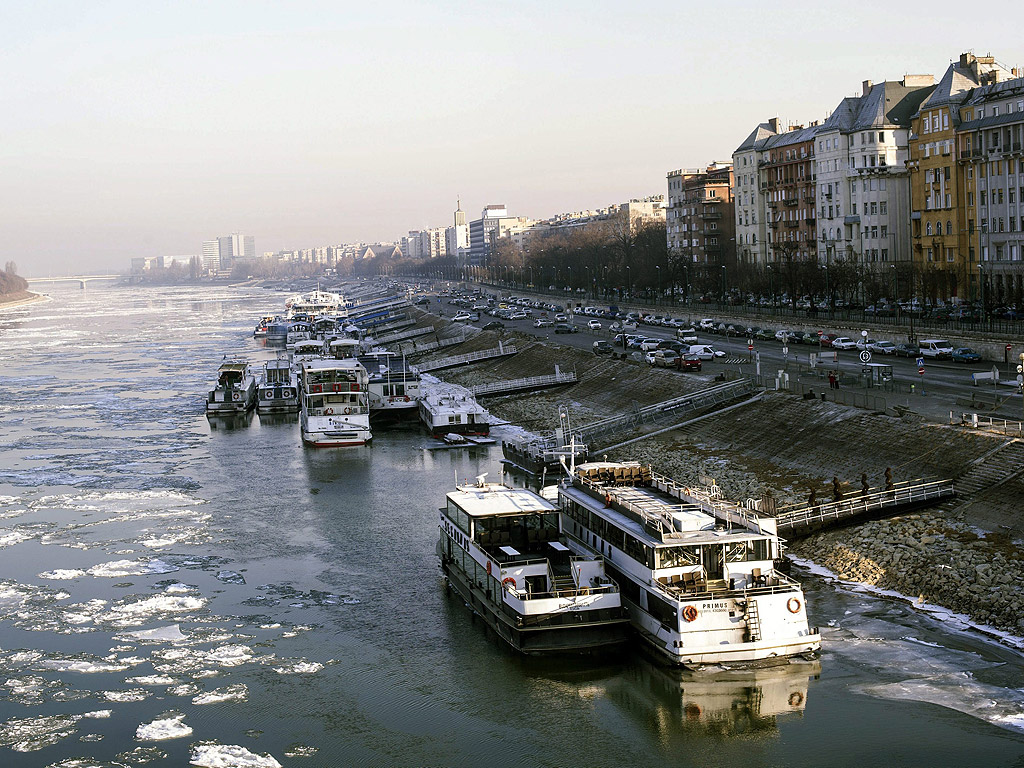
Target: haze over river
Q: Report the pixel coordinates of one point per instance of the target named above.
(175, 589)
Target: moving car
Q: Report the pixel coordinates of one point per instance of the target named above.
(542, 322)
(464, 317)
(688, 363)
(594, 325)
(704, 352)
(883, 348)
(494, 325)
(602, 347)
(687, 335)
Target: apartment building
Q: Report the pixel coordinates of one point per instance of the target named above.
(787, 174)
(751, 220)
(989, 144)
(700, 215)
(863, 186)
(941, 186)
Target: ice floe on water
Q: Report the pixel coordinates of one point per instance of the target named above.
(33, 733)
(231, 577)
(230, 655)
(237, 692)
(170, 725)
(299, 667)
(151, 680)
(141, 756)
(300, 750)
(132, 694)
(82, 663)
(214, 755)
(144, 566)
(60, 574)
(133, 612)
(169, 634)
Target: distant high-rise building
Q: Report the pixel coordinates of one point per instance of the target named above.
(457, 236)
(222, 253)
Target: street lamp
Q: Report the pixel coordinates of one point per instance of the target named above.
(724, 273)
(570, 279)
(629, 282)
(828, 294)
(981, 269)
(658, 297)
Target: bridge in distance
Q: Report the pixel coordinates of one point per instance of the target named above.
(80, 279)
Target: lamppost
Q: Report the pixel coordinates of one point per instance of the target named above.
(771, 283)
(570, 281)
(724, 273)
(629, 282)
(658, 297)
(828, 294)
(532, 284)
(686, 283)
(981, 269)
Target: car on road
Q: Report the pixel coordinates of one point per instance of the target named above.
(882, 348)
(543, 322)
(561, 318)
(707, 324)
(864, 343)
(704, 352)
(566, 328)
(494, 325)
(965, 355)
(602, 347)
(938, 349)
(594, 325)
(843, 342)
(907, 350)
(517, 316)
(664, 358)
(687, 335)
(464, 317)
(689, 363)
(422, 301)
(649, 344)
(783, 335)
(765, 333)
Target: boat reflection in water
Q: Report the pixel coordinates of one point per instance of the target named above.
(715, 701)
(226, 422)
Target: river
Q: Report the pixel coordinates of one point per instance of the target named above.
(176, 589)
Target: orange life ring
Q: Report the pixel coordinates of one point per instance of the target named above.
(508, 581)
(407, 398)
(328, 411)
(793, 605)
(348, 410)
(690, 613)
(488, 567)
(796, 699)
(316, 388)
(236, 395)
(354, 387)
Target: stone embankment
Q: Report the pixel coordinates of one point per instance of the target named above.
(966, 556)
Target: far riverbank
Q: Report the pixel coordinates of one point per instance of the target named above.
(20, 299)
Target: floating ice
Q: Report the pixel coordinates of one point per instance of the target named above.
(169, 725)
(142, 756)
(299, 668)
(129, 613)
(300, 750)
(213, 755)
(99, 714)
(133, 694)
(237, 692)
(84, 664)
(141, 567)
(9, 538)
(34, 733)
(230, 655)
(168, 634)
(151, 680)
(62, 574)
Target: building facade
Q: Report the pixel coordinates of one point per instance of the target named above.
(787, 172)
(700, 216)
(751, 222)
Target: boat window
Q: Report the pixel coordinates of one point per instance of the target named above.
(459, 517)
(674, 557)
(742, 551)
(662, 610)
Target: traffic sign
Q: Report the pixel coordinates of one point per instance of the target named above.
(785, 350)
(865, 356)
(920, 362)
(921, 370)
(750, 347)
(1009, 347)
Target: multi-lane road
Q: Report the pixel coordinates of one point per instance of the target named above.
(942, 383)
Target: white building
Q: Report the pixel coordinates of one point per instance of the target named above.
(749, 202)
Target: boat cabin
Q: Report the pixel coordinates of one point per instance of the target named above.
(232, 375)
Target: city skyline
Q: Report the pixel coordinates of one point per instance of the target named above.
(139, 134)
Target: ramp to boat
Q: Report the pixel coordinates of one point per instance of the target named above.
(502, 350)
(901, 497)
(529, 383)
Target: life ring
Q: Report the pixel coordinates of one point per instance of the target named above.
(287, 393)
(316, 388)
(236, 395)
(337, 387)
(793, 604)
(488, 567)
(328, 411)
(348, 410)
(796, 699)
(354, 387)
(690, 613)
(407, 398)
(508, 581)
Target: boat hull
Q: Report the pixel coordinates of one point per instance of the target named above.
(586, 638)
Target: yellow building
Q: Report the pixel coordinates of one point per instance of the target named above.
(940, 185)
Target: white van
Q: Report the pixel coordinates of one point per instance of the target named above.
(938, 349)
(703, 352)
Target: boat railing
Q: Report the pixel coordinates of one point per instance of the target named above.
(774, 583)
(575, 592)
(347, 410)
(708, 499)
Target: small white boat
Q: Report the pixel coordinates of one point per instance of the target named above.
(501, 549)
(335, 409)
(448, 412)
(235, 390)
(277, 389)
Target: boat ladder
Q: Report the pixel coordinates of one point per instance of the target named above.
(753, 620)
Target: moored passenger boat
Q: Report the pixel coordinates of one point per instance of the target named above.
(277, 390)
(447, 412)
(335, 410)
(394, 387)
(502, 552)
(235, 390)
(697, 573)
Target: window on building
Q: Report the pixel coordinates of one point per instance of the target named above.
(949, 227)
(928, 230)
(883, 208)
(885, 254)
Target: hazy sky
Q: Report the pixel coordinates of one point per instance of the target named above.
(143, 128)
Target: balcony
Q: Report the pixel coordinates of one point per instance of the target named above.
(790, 201)
(711, 215)
(809, 220)
(710, 200)
(713, 248)
(792, 224)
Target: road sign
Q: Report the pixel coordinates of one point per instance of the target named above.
(920, 362)
(1009, 347)
(865, 356)
(921, 370)
(785, 350)
(750, 347)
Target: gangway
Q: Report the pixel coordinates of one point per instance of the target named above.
(502, 350)
(901, 497)
(401, 335)
(667, 409)
(419, 348)
(518, 385)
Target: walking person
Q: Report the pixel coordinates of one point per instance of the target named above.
(831, 380)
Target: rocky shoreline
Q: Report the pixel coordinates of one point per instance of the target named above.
(19, 299)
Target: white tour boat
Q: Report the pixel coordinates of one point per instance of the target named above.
(697, 573)
(315, 303)
(447, 412)
(502, 552)
(277, 390)
(335, 408)
(235, 390)
(394, 387)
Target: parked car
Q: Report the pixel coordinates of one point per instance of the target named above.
(664, 358)
(707, 324)
(965, 355)
(937, 349)
(907, 350)
(561, 318)
(594, 325)
(687, 335)
(843, 342)
(704, 352)
(882, 348)
(464, 317)
(798, 337)
(783, 335)
(766, 333)
(542, 322)
(566, 328)
(649, 344)
(602, 347)
(689, 363)
(494, 325)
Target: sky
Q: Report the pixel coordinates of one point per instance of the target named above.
(143, 128)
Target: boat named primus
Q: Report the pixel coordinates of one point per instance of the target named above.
(698, 574)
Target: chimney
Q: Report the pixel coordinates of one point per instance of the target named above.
(866, 87)
(918, 81)
(775, 124)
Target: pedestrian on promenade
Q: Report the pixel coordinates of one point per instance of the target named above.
(832, 380)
